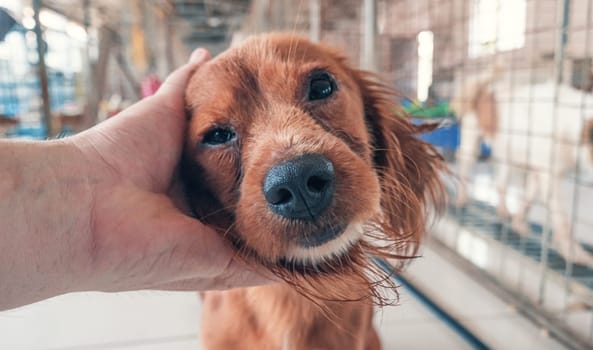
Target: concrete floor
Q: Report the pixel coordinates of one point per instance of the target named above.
(165, 320)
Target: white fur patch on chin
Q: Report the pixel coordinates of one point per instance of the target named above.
(327, 251)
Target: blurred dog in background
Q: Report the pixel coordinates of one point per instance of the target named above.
(528, 130)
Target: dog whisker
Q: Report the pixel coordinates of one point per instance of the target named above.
(218, 211)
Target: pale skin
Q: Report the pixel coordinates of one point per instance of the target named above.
(97, 211)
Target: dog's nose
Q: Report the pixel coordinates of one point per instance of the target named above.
(300, 188)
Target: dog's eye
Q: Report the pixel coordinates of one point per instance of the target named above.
(321, 86)
(219, 136)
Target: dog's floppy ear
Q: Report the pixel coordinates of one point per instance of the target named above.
(408, 167)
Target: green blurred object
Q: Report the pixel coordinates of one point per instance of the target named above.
(441, 110)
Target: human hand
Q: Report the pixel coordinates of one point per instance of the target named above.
(140, 238)
(113, 209)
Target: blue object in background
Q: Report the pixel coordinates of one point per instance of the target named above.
(446, 137)
(20, 95)
(485, 151)
(61, 89)
(7, 22)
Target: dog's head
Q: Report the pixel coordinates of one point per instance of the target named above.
(301, 161)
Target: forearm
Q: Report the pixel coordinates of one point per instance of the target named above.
(43, 202)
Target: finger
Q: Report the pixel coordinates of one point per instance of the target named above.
(239, 276)
(197, 257)
(198, 55)
(170, 96)
(172, 90)
(195, 250)
(159, 119)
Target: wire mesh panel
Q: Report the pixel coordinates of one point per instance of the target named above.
(517, 76)
(20, 99)
(20, 87)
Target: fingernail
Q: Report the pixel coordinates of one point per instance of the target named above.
(198, 55)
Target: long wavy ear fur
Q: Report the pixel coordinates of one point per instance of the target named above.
(409, 168)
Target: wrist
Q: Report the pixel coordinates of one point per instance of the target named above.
(44, 215)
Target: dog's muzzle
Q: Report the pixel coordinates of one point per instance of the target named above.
(301, 188)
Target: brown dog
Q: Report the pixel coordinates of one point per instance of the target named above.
(300, 161)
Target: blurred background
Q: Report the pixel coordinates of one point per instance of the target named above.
(509, 266)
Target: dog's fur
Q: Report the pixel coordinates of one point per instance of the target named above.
(385, 177)
(529, 139)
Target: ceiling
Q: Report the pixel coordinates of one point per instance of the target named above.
(200, 21)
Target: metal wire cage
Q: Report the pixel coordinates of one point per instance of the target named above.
(22, 102)
(517, 76)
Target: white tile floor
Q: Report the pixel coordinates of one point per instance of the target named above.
(488, 317)
(135, 320)
(564, 300)
(159, 321)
